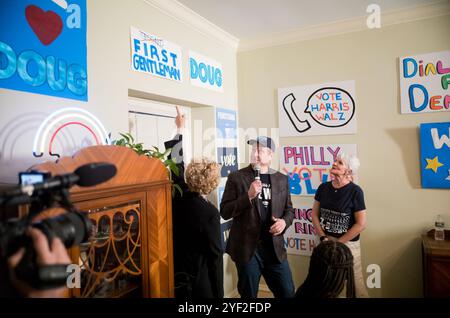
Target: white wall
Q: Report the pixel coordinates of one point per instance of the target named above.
(399, 211)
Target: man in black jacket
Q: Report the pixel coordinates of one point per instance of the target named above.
(259, 201)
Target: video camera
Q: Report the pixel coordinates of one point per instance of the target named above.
(72, 228)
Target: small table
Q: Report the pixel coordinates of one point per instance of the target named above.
(436, 265)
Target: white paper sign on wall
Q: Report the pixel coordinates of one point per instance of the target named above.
(319, 109)
(424, 83)
(307, 166)
(301, 237)
(153, 55)
(205, 72)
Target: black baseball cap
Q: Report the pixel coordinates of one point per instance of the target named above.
(263, 141)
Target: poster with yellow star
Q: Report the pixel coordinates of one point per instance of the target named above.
(435, 155)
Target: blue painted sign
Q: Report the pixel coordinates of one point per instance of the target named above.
(435, 155)
(43, 47)
(227, 157)
(226, 123)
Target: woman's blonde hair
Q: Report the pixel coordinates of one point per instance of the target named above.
(202, 175)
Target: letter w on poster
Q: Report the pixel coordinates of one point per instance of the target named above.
(155, 56)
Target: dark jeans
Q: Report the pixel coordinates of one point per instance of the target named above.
(277, 275)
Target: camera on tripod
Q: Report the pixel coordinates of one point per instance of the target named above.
(41, 192)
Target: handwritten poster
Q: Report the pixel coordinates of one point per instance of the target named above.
(324, 109)
(301, 238)
(424, 83)
(307, 166)
(205, 72)
(435, 155)
(153, 55)
(43, 47)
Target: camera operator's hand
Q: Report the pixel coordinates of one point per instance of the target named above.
(57, 254)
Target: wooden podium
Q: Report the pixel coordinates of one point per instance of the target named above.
(130, 253)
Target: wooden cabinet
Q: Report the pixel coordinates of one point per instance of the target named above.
(130, 250)
(436, 265)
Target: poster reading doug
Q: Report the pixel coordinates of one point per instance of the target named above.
(43, 47)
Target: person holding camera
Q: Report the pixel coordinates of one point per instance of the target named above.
(45, 255)
(33, 255)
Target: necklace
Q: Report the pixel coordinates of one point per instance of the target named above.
(336, 188)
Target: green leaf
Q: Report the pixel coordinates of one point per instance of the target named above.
(127, 140)
(125, 137)
(167, 152)
(138, 147)
(174, 168)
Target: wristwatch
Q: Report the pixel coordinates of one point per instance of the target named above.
(323, 238)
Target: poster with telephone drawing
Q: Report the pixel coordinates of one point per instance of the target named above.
(319, 109)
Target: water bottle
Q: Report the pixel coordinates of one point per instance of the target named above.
(439, 233)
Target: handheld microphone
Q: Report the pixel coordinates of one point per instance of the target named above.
(85, 176)
(257, 172)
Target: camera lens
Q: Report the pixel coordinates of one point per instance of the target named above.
(72, 228)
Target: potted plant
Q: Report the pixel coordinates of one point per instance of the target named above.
(127, 140)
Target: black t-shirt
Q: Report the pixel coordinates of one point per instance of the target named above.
(338, 207)
(265, 206)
